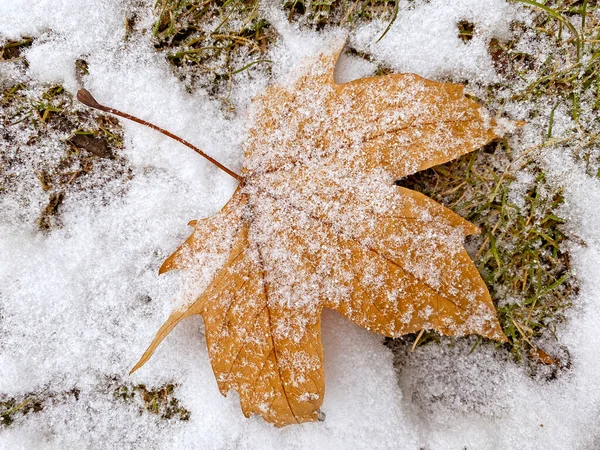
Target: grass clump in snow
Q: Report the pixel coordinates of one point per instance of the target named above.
(321, 13)
(211, 42)
(160, 401)
(82, 153)
(13, 408)
(569, 78)
(12, 49)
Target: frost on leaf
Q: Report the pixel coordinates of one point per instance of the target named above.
(318, 222)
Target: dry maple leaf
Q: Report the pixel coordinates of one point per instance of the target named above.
(317, 222)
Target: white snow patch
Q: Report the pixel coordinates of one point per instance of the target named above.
(424, 39)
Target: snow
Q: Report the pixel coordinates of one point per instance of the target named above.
(74, 308)
(424, 39)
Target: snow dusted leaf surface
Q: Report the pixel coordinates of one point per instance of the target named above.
(318, 223)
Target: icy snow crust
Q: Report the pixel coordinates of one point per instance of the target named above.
(71, 312)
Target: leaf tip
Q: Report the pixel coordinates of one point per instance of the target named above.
(497, 334)
(505, 126)
(172, 262)
(472, 229)
(139, 364)
(165, 267)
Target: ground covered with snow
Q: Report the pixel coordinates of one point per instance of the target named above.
(81, 297)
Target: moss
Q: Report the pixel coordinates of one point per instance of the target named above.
(90, 144)
(318, 14)
(13, 408)
(160, 401)
(12, 49)
(212, 42)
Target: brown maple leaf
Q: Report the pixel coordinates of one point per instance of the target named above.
(317, 222)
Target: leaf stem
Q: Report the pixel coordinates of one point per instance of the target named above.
(88, 99)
